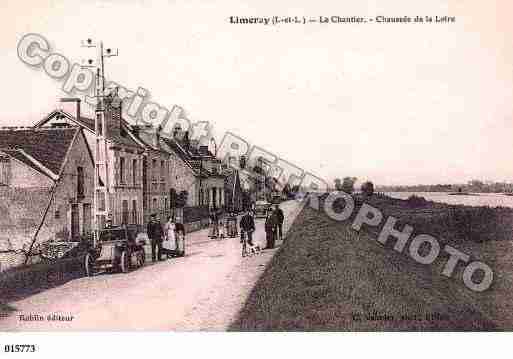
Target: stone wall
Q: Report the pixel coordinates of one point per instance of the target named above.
(182, 178)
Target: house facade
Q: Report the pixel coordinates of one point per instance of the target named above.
(124, 156)
(207, 188)
(46, 186)
(146, 169)
(162, 171)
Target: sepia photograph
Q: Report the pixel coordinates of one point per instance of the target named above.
(172, 167)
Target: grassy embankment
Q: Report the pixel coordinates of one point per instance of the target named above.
(329, 277)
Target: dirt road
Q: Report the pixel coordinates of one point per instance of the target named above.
(202, 291)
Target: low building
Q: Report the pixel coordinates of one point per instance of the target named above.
(46, 187)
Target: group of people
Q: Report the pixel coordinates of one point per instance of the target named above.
(273, 226)
(168, 239)
(222, 226)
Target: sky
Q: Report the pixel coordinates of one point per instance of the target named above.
(390, 103)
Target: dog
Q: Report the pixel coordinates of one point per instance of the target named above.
(254, 249)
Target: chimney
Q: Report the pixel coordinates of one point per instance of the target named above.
(176, 132)
(112, 104)
(77, 105)
(157, 136)
(203, 150)
(186, 141)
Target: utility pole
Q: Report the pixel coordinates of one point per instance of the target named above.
(101, 159)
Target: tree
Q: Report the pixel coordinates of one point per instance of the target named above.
(367, 188)
(348, 184)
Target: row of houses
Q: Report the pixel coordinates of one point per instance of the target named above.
(47, 176)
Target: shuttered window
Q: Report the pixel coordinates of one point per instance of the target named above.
(5, 168)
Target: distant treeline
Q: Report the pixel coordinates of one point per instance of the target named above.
(472, 186)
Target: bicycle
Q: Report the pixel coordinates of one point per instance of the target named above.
(244, 242)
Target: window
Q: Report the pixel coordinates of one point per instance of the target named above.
(122, 170)
(5, 166)
(101, 200)
(134, 211)
(162, 170)
(124, 215)
(155, 206)
(80, 182)
(87, 219)
(154, 170)
(134, 172)
(75, 222)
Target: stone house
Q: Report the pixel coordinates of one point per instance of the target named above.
(207, 190)
(46, 187)
(125, 158)
(163, 170)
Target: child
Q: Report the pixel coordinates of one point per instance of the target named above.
(222, 229)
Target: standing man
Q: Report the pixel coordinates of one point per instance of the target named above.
(155, 233)
(278, 213)
(247, 225)
(270, 229)
(214, 222)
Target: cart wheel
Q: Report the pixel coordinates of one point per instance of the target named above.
(124, 262)
(88, 265)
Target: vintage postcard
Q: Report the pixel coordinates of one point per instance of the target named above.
(327, 166)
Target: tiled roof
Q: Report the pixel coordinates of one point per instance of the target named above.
(201, 170)
(147, 137)
(177, 148)
(114, 132)
(21, 156)
(201, 151)
(49, 146)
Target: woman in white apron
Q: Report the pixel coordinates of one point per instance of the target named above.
(169, 243)
(180, 237)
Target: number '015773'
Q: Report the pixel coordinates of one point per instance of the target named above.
(19, 348)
